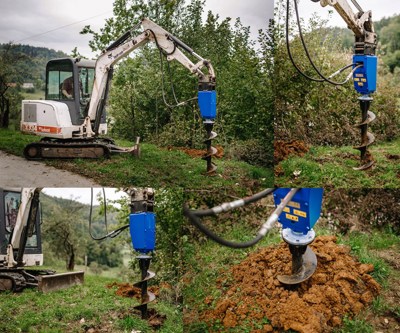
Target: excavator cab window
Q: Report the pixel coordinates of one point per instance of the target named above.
(8, 218)
(86, 78)
(60, 84)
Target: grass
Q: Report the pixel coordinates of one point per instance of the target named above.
(157, 167)
(333, 167)
(78, 309)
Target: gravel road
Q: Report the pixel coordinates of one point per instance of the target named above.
(19, 172)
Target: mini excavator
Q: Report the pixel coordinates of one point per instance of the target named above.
(296, 209)
(72, 117)
(364, 65)
(21, 245)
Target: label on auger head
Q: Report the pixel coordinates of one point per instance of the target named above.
(143, 231)
(303, 211)
(208, 104)
(365, 77)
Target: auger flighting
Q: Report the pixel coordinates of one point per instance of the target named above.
(296, 209)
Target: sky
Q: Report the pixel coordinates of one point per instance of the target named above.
(379, 8)
(82, 194)
(26, 21)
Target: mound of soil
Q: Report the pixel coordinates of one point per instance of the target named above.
(251, 292)
(282, 149)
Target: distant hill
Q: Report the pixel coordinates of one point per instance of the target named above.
(32, 68)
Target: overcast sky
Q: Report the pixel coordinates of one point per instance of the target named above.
(26, 21)
(379, 8)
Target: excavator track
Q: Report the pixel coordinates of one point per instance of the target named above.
(146, 296)
(94, 148)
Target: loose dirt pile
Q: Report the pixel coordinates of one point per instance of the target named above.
(198, 153)
(251, 292)
(282, 149)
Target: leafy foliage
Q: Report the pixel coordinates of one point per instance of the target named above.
(66, 234)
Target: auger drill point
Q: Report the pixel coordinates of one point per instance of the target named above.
(142, 225)
(296, 209)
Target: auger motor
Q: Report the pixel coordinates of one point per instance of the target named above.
(142, 225)
(208, 108)
(296, 209)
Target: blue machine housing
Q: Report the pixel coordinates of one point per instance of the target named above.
(143, 231)
(208, 104)
(303, 211)
(364, 78)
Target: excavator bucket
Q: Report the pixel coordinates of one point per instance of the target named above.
(304, 264)
(52, 282)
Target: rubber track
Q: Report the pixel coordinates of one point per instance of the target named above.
(72, 145)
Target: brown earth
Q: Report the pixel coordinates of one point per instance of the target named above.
(340, 286)
(282, 149)
(154, 319)
(198, 153)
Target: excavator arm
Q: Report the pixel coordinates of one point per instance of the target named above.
(360, 23)
(171, 47)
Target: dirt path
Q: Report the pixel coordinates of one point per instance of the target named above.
(18, 172)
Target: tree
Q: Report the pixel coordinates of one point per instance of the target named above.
(8, 67)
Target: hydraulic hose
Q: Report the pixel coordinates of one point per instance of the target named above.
(194, 218)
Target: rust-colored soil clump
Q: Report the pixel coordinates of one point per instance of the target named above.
(251, 292)
(128, 290)
(282, 149)
(198, 153)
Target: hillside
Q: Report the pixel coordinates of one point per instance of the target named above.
(33, 65)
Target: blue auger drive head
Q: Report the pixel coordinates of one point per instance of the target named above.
(143, 231)
(208, 104)
(365, 76)
(303, 210)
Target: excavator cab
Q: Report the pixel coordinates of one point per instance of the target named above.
(10, 200)
(70, 81)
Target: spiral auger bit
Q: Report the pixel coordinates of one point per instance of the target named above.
(367, 138)
(211, 151)
(365, 78)
(143, 233)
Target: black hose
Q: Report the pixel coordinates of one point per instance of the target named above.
(323, 78)
(195, 220)
(233, 204)
(110, 234)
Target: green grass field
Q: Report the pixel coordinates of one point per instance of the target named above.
(157, 167)
(333, 167)
(91, 306)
